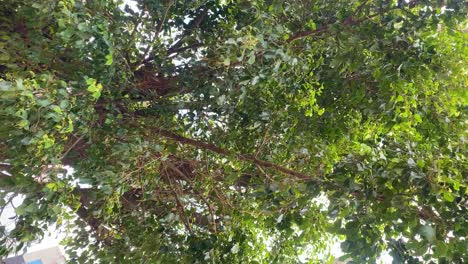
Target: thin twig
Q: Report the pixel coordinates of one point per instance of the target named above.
(71, 147)
(210, 208)
(180, 207)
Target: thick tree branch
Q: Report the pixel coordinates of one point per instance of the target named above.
(303, 34)
(181, 49)
(245, 157)
(350, 20)
(193, 25)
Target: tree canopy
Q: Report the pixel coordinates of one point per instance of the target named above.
(211, 131)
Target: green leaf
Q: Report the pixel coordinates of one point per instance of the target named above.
(47, 141)
(109, 59)
(43, 102)
(20, 210)
(311, 25)
(251, 58)
(23, 123)
(52, 186)
(64, 104)
(94, 88)
(448, 196)
(428, 232)
(56, 109)
(417, 118)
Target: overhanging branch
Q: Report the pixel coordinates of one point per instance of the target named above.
(245, 157)
(195, 23)
(350, 20)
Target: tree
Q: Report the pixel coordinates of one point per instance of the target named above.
(236, 131)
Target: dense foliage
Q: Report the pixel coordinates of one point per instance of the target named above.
(210, 131)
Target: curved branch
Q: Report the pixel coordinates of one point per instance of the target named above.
(350, 20)
(193, 25)
(245, 157)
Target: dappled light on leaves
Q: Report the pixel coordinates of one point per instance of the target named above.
(235, 131)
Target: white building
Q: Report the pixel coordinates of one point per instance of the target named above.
(51, 255)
